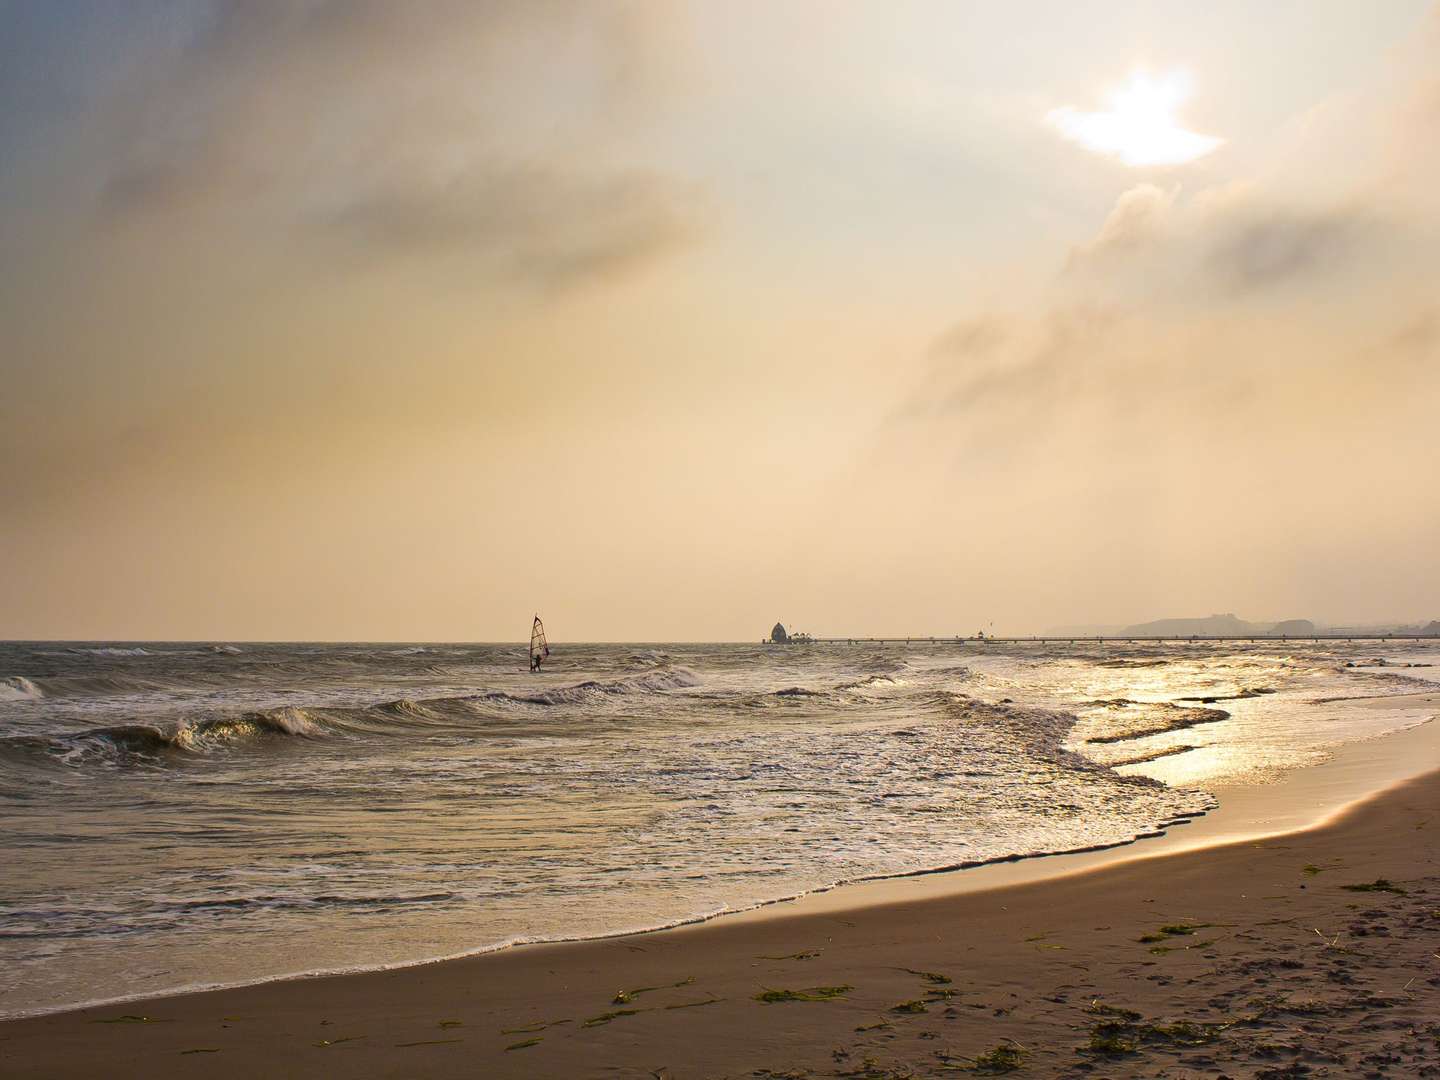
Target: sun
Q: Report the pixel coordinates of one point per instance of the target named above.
(1139, 127)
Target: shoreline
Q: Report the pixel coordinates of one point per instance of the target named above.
(572, 982)
(1303, 798)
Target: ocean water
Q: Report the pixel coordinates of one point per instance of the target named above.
(181, 815)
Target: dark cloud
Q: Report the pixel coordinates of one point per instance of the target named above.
(433, 129)
(1233, 247)
(1258, 252)
(551, 228)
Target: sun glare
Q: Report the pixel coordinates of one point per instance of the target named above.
(1138, 126)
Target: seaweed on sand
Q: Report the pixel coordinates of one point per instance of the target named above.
(528, 1029)
(523, 1045)
(605, 1018)
(625, 997)
(1184, 1032)
(1124, 1033)
(1378, 885)
(1173, 930)
(1112, 1039)
(869, 1069)
(1161, 950)
(1099, 1008)
(1002, 1058)
(130, 1018)
(1266, 1007)
(930, 976)
(916, 1006)
(813, 993)
(1007, 1057)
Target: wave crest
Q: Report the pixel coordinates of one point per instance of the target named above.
(677, 678)
(117, 743)
(19, 688)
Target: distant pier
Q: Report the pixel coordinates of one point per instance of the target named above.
(1126, 639)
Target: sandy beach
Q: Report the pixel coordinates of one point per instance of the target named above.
(1312, 952)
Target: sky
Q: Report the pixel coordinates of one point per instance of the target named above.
(361, 320)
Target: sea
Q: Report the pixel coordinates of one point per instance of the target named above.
(179, 815)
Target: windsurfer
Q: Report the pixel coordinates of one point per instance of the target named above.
(539, 647)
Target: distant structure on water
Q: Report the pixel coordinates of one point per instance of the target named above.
(779, 636)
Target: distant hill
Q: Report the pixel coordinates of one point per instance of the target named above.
(1210, 626)
(1293, 628)
(1231, 625)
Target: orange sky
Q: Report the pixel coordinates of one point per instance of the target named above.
(377, 321)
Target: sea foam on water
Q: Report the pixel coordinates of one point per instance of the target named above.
(179, 815)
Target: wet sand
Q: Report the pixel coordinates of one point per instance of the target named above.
(1314, 952)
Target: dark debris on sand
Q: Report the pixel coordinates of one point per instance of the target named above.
(1359, 998)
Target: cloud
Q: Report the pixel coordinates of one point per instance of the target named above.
(972, 337)
(1238, 244)
(1281, 246)
(546, 226)
(1140, 218)
(1235, 321)
(439, 129)
(1177, 311)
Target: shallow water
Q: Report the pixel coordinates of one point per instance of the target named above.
(179, 815)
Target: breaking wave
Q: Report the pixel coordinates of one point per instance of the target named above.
(80, 686)
(117, 743)
(153, 743)
(678, 678)
(19, 688)
(1122, 720)
(1145, 759)
(870, 682)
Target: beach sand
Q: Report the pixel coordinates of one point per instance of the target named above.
(1313, 952)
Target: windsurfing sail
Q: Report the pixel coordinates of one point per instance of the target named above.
(539, 647)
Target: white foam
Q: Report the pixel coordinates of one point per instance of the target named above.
(19, 688)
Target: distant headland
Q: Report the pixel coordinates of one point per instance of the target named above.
(1231, 625)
